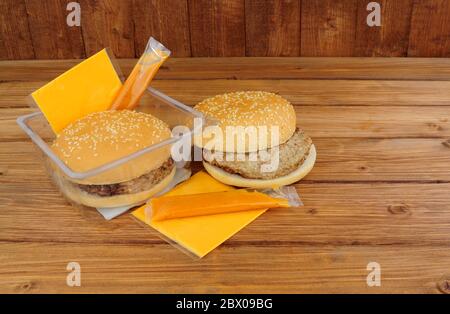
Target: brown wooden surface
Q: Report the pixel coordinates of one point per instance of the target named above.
(15, 38)
(379, 191)
(430, 31)
(166, 20)
(108, 23)
(51, 37)
(328, 28)
(217, 28)
(392, 37)
(272, 28)
(403, 69)
(33, 29)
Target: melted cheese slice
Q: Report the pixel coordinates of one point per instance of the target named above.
(88, 87)
(201, 234)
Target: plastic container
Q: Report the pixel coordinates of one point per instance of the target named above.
(154, 102)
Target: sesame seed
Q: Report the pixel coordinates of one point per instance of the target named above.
(100, 130)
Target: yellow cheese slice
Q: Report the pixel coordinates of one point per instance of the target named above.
(200, 235)
(87, 87)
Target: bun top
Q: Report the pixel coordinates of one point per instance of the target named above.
(105, 136)
(247, 109)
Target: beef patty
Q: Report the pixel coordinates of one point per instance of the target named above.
(291, 155)
(142, 183)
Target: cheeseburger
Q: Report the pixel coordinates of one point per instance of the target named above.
(244, 165)
(103, 137)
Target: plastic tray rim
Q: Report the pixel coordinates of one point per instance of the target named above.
(22, 122)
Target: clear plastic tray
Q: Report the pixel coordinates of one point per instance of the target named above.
(154, 102)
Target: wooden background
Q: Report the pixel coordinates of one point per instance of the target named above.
(37, 29)
(379, 191)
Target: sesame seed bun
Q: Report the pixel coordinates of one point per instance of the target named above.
(237, 180)
(248, 109)
(102, 137)
(79, 196)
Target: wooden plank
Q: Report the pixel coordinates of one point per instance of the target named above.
(328, 28)
(255, 68)
(217, 28)
(107, 23)
(375, 122)
(314, 92)
(52, 37)
(382, 160)
(15, 38)
(413, 214)
(340, 122)
(338, 159)
(391, 38)
(272, 28)
(167, 21)
(430, 29)
(299, 92)
(162, 269)
(375, 194)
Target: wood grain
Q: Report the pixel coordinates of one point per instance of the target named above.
(217, 28)
(107, 23)
(299, 92)
(371, 122)
(328, 28)
(312, 92)
(430, 29)
(405, 69)
(161, 269)
(338, 160)
(392, 37)
(167, 21)
(225, 28)
(272, 28)
(340, 121)
(350, 214)
(378, 191)
(52, 37)
(15, 37)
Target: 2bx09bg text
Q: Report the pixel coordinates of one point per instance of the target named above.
(245, 303)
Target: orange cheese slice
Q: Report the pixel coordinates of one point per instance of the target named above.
(88, 87)
(201, 234)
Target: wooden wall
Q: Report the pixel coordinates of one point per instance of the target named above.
(37, 29)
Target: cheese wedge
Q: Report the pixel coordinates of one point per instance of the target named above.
(201, 234)
(88, 87)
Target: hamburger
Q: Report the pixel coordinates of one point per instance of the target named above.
(103, 137)
(243, 165)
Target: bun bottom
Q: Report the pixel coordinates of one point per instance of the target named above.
(81, 197)
(237, 180)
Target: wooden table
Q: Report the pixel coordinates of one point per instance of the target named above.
(380, 190)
